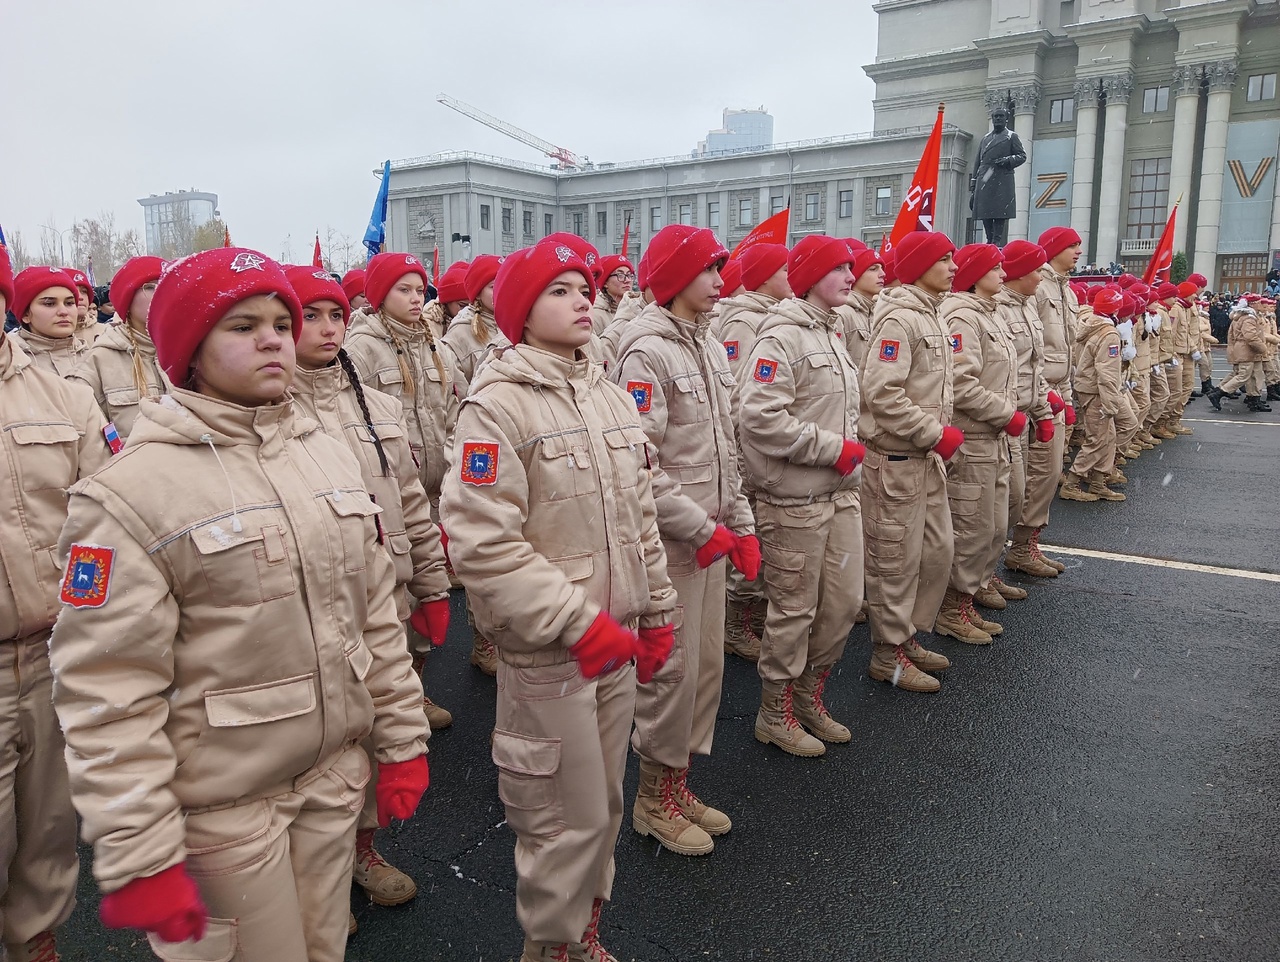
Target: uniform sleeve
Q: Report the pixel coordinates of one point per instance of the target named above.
(456, 341)
(112, 666)
(971, 397)
(680, 518)
(737, 332)
(662, 595)
(489, 551)
(764, 412)
(94, 450)
(87, 373)
(1107, 368)
(884, 389)
(430, 581)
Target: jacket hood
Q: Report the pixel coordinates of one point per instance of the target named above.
(657, 321)
(116, 338)
(794, 311)
(184, 417)
(1091, 323)
(523, 364)
(907, 297)
(629, 307)
(748, 300)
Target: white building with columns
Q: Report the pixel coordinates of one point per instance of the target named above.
(1123, 106)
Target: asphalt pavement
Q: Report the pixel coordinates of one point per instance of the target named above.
(1099, 784)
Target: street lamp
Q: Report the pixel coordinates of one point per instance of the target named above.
(61, 254)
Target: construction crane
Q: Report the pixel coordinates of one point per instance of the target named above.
(565, 159)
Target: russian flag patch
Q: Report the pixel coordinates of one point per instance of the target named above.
(766, 370)
(889, 350)
(1113, 350)
(479, 462)
(957, 342)
(87, 583)
(731, 349)
(642, 393)
(113, 437)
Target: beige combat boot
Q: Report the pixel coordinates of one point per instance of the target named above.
(1008, 592)
(955, 621)
(890, 663)
(437, 717)
(776, 723)
(811, 712)
(1146, 440)
(993, 628)
(710, 820)
(544, 952)
(739, 638)
(1181, 429)
(989, 598)
(1053, 563)
(1071, 489)
(657, 813)
(483, 655)
(40, 948)
(590, 949)
(1162, 430)
(1021, 555)
(923, 658)
(1117, 477)
(383, 883)
(1098, 488)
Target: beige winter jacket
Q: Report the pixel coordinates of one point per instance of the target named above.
(405, 527)
(856, 317)
(1246, 338)
(550, 510)
(57, 355)
(907, 377)
(51, 435)
(401, 362)
(1019, 314)
(797, 405)
(1207, 340)
(737, 324)
(984, 365)
(1058, 309)
(108, 368)
(1098, 361)
(683, 391)
(629, 308)
(1146, 345)
(246, 631)
(1163, 346)
(469, 351)
(1185, 331)
(602, 313)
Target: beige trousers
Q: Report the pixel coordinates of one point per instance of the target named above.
(910, 543)
(1127, 423)
(561, 751)
(676, 711)
(1271, 371)
(1099, 450)
(1018, 473)
(1186, 375)
(978, 494)
(1204, 366)
(38, 862)
(1044, 469)
(1247, 375)
(275, 873)
(1141, 396)
(1159, 395)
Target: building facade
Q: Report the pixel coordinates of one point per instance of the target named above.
(739, 129)
(1124, 106)
(171, 215)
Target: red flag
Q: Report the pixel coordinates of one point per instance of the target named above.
(317, 259)
(226, 236)
(626, 236)
(884, 242)
(919, 204)
(435, 266)
(772, 230)
(1162, 256)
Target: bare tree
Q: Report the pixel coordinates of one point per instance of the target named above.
(127, 245)
(96, 238)
(50, 248)
(342, 252)
(18, 252)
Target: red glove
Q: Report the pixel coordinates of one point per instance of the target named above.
(431, 620)
(1017, 424)
(167, 904)
(722, 542)
(1044, 430)
(444, 543)
(949, 443)
(655, 649)
(606, 647)
(1056, 404)
(745, 556)
(850, 457)
(1071, 415)
(400, 787)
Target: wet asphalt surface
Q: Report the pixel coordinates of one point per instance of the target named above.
(1096, 785)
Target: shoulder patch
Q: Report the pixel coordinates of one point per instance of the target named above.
(957, 343)
(642, 393)
(1113, 350)
(766, 370)
(113, 437)
(479, 462)
(87, 583)
(889, 350)
(731, 349)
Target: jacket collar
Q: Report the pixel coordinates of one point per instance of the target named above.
(13, 359)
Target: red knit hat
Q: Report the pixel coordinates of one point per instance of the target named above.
(30, 282)
(452, 285)
(81, 281)
(813, 258)
(353, 283)
(129, 280)
(479, 273)
(384, 270)
(1021, 258)
(642, 271)
(677, 254)
(1199, 280)
(195, 292)
(1057, 239)
(607, 265)
(1187, 289)
(1166, 291)
(1128, 306)
(919, 251)
(854, 244)
(580, 246)
(1079, 290)
(863, 260)
(731, 274)
(1127, 281)
(6, 279)
(311, 284)
(1108, 301)
(972, 262)
(760, 262)
(524, 275)
(890, 268)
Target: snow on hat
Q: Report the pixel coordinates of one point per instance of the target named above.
(311, 284)
(1108, 301)
(863, 260)
(6, 278)
(890, 272)
(813, 258)
(452, 285)
(1199, 280)
(130, 278)
(1021, 258)
(353, 283)
(196, 292)
(1127, 281)
(81, 280)
(1057, 239)
(524, 275)
(972, 262)
(479, 273)
(608, 265)
(677, 254)
(731, 274)
(30, 282)
(384, 270)
(919, 251)
(760, 262)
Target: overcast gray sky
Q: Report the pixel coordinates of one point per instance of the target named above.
(283, 108)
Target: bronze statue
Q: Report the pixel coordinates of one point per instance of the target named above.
(993, 200)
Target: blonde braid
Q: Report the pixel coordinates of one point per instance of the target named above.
(435, 354)
(139, 369)
(406, 375)
(477, 323)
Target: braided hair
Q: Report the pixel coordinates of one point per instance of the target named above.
(347, 365)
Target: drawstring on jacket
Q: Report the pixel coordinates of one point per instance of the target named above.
(235, 511)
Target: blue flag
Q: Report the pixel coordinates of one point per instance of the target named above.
(2, 237)
(376, 233)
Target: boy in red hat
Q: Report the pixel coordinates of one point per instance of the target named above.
(680, 379)
(1164, 371)
(1099, 391)
(868, 282)
(451, 298)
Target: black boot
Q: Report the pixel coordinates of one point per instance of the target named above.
(1253, 402)
(1215, 397)
(1263, 406)
(1206, 386)
(1273, 392)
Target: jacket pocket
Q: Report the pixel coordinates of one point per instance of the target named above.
(399, 547)
(360, 659)
(564, 467)
(577, 567)
(354, 513)
(930, 349)
(626, 447)
(243, 569)
(261, 704)
(390, 380)
(689, 403)
(121, 399)
(221, 942)
(527, 783)
(690, 473)
(818, 379)
(47, 454)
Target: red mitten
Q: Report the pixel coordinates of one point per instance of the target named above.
(606, 647)
(720, 544)
(745, 556)
(444, 544)
(1044, 430)
(1056, 404)
(431, 620)
(949, 443)
(1017, 424)
(655, 649)
(400, 787)
(850, 457)
(167, 904)
(1071, 415)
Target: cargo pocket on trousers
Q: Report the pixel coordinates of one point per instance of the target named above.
(783, 573)
(885, 551)
(220, 944)
(965, 498)
(527, 768)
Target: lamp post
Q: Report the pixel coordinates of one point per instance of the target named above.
(61, 254)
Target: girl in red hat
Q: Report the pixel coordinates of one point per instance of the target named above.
(474, 331)
(45, 305)
(228, 636)
(619, 278)
(451, 298)
(556, 540)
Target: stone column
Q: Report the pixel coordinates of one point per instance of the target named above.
(1115, 176)
(1221, 75)
(1186, 88)
(1025, 100)
(1086, 94)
